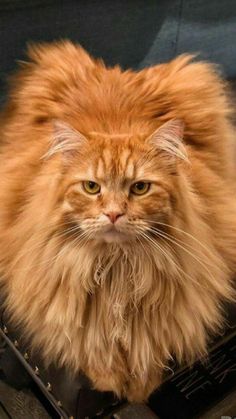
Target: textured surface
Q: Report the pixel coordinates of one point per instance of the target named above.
(21, 404)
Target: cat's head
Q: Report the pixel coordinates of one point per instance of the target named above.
(118, 187)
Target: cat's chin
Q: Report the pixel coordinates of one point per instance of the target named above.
(114, 237)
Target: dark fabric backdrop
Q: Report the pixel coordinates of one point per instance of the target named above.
(133, 33)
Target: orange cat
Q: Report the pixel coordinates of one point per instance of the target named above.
(117, 214)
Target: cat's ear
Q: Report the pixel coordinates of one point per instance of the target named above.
(169, 139)
(65, 140)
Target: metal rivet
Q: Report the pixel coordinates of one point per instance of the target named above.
(26, 356)
(16, 343)
(36, 370)
(5, 329)
(49, 387)
(59, 403)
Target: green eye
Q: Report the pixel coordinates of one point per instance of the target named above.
(140, 188)
(91, 187)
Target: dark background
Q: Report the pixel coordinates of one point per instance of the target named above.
(133, 33)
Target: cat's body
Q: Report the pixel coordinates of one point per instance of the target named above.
(116, 302)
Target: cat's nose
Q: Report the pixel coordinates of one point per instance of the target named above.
(113, 216)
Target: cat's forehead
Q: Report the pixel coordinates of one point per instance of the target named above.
(117, 158)
(117, 162)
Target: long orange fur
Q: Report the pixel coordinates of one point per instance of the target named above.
(118, 312)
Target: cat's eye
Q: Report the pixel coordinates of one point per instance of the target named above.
(140, 188)
(91, 187)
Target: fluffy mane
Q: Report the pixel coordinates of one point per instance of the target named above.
(119, 313)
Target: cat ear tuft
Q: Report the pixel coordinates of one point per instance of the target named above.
(65, 140)
(169, 138)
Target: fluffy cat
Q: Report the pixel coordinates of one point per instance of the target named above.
(117, 214)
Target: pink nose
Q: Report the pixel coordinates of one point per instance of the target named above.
(113, 216)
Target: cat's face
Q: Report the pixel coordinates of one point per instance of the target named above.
(118, 187)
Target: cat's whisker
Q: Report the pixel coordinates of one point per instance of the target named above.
(87, 237)
(185, 274)
(77, 241)
(50, 262)
(184, 232)
(144, 249)
(186, 245)
(41, 245)
(172, 240)
(62, 244)
(180, 243)
(157, 246)
(45, 240)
